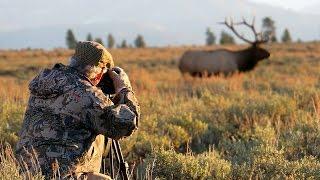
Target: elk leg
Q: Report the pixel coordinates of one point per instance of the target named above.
(193, 74)
(200, 74)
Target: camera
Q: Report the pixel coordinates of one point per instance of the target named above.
(106, 83)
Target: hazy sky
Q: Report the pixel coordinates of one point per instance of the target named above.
(289, 4)
(43, 23)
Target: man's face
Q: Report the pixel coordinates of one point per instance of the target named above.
(99, 76)
(102, 69)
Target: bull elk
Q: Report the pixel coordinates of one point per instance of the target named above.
(200, 63)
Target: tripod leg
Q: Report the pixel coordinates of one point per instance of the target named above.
(111, 162)
(114, 147)
(123, 165)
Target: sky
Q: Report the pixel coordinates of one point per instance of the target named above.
(297, 5)
(43, 23)
(10, 8)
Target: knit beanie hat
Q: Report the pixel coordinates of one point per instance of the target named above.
(92, 53)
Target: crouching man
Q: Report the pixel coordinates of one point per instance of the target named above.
(68, 118)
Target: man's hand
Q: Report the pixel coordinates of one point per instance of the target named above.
(120, 79)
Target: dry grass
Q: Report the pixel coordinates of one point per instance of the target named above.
(262, 124)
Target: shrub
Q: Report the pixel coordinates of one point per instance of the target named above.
(11, 115)
(172, 165)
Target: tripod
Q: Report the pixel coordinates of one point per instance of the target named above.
(115, 152)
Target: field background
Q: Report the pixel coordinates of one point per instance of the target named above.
(262, 124)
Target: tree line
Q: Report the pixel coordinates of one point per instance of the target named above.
(268, 31)
(71, 41)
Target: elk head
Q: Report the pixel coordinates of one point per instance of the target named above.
(255, 50)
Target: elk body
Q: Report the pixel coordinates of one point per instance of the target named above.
(200, 63)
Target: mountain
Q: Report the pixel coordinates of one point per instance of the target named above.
(43, 24)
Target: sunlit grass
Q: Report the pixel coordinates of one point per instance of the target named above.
(263, 124)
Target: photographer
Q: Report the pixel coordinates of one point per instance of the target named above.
(68, 117)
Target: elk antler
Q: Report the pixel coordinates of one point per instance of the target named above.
(258, 36)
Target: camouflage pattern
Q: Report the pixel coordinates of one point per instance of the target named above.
(92, 53)
(67, 120)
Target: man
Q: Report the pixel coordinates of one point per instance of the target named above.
(68, 117)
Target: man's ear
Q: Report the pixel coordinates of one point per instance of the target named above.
(108, 66)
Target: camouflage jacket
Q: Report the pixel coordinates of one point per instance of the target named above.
(67, 119)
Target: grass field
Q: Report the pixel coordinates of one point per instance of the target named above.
(259, 125)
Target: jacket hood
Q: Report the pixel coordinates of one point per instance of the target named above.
(52, 82)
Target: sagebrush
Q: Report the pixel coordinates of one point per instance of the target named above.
(263, 124)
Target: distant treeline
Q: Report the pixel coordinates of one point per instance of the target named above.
(268, 31)
(139, 41)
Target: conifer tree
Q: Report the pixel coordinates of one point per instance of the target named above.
(286, 37)
(71, 40)
(226, 38)
(89, 37)
(124, 44)
(269, 29)
(211, 38)
(139, 42)
(111, 41)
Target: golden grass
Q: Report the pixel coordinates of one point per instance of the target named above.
(261, 123)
